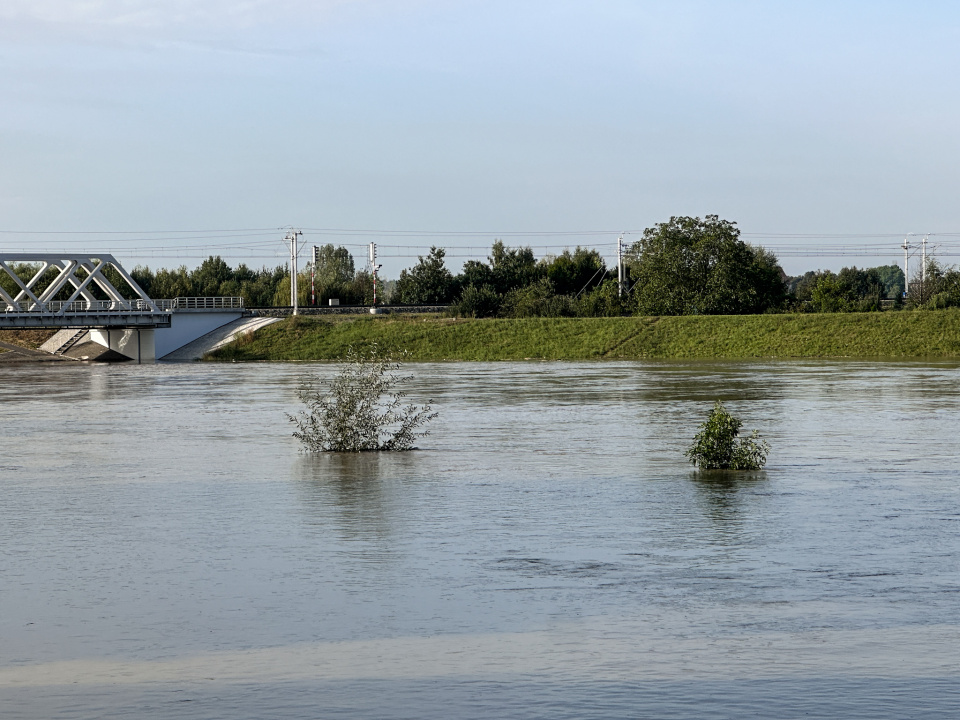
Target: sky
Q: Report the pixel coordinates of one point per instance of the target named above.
(163, 131)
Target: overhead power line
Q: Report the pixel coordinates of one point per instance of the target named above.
(260, 244)
(216, 233)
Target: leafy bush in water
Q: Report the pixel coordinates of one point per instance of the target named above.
(717, 447)
(359, 410)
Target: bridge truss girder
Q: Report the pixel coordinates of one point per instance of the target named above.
(32, 298)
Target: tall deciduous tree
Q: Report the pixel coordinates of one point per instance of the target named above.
(427, 283)
(689, 266)
(334, 277)
(334, 266)
(508, 269)
(893, 280)
(211, 274)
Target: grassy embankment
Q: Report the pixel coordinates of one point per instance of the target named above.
(31, 339)
(929, 334)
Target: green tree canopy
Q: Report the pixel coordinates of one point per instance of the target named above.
(334, 266)
(508, 269)
(689, 266)
(334, 277)
(850, 290)
(172, 283)
(214, 277)
(211, 274)
(940, 289)
(427, 283)
(572, 273)
(892, 277)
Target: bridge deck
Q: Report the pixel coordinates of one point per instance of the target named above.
(84, 320)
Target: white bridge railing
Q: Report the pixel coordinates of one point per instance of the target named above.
(86, 307)
(201, 303)
(129, 307)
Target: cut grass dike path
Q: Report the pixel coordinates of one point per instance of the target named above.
(905, 334)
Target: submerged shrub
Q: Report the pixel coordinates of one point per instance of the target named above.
(718, 447)
(359, 410)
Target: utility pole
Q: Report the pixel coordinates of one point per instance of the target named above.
(375, 267)
(293, 237)
(620, 274)
(923, 259)
(313, 275)
(906, 266)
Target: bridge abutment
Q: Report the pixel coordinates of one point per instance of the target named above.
(188, 325)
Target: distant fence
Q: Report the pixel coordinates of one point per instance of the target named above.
(284, 311)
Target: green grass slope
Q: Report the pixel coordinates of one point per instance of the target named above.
(890, 334)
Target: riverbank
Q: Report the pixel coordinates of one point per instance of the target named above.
(932, 334)
(26, 338)
(20, 346)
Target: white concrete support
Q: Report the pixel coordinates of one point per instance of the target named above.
(188, 325)
(149, 345)
(216, 339)
(134, 343)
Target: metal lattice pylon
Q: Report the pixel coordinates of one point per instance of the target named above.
(32, 296)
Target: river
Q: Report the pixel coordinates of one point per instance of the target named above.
(548, 552)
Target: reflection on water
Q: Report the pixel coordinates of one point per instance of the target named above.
(721, 495)
(168, 552)
(349, 491)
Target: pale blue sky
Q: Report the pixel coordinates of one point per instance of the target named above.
(497, 117)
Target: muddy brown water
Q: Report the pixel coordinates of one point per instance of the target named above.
(166, 551)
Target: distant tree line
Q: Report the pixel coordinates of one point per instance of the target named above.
(681, 267)
(513, 283)
(214, 277)
(850, 290)
(266, 287)
(856, 290)
(686, 266)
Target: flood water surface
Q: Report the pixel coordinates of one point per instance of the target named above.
(166, 551)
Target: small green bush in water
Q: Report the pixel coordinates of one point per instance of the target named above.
(717, 447)
(359, 410)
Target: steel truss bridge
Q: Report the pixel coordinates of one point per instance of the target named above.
(31, 302)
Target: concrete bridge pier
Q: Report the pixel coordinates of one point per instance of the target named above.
(138, 344)
(188, 335)
(147, 345)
